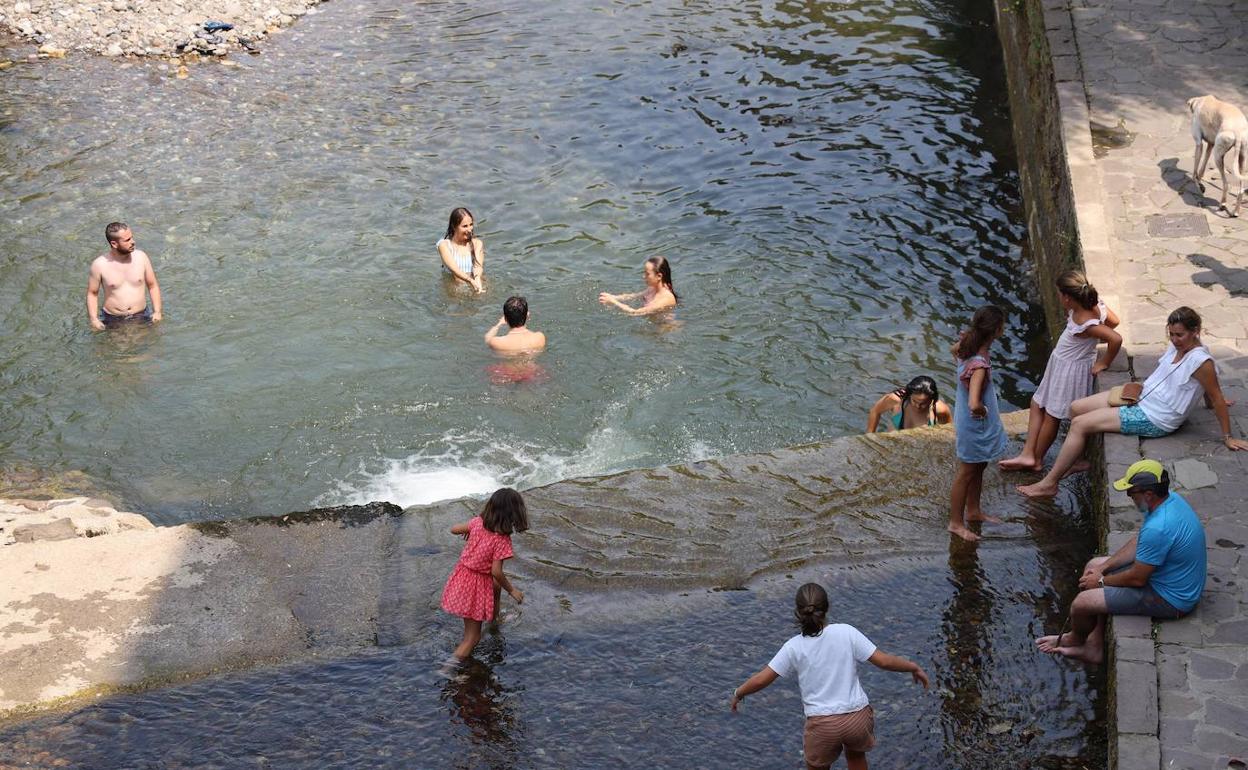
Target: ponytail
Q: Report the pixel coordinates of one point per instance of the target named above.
(1074, 284)
(811, 612)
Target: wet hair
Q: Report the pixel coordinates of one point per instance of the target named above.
(811, 611)
(457, 216)
(921, 385)
(1074, 284)
(664, 269)
(505, 513)
(984, 325)
(516, 311)
(112, 228)
(1186, 316)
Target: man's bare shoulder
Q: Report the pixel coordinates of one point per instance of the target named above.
(141, 257)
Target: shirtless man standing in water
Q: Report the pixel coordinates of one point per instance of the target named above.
(521, 339)
(127, 277)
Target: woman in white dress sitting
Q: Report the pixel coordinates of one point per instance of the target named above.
(1184, 373)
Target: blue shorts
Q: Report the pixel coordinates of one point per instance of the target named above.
(1121, 600)
(1134, 422)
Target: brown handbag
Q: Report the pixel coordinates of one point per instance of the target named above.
(1126, 395)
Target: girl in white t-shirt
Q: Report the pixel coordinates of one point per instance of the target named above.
(825, 659)
(1184, 373)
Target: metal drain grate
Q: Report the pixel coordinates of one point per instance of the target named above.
(1178, 225)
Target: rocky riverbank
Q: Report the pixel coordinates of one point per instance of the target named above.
(31, 521)
(148, 27)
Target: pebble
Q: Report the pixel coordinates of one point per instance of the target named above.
(156, 28)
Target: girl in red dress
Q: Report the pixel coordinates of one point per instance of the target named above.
(475, 585)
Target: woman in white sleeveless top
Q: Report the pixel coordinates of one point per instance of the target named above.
(1184, 373)
(463, 254)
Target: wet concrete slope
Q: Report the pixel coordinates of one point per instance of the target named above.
(140, 608)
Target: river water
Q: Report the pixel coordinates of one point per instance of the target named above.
(835, 186)
(833, 183)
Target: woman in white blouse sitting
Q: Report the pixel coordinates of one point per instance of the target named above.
(1184, 373)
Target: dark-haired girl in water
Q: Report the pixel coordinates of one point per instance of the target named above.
(913, 406)
(825, 658)
(658, 296)
(462, 253)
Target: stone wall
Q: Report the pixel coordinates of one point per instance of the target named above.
(1042, 164)
(1062, 194)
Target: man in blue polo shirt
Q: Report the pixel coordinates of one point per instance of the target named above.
(1160, 572)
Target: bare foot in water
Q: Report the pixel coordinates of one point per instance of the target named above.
(1051, 643)
(1039, 489)
(981, 516)
(1088, 653)
(963, 533)
(1079, 467)
(1020, 463)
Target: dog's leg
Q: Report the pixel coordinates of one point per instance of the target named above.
(1198, 165)
(1222, 147)
(1239, 172)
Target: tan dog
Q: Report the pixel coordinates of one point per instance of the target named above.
(1221, 130)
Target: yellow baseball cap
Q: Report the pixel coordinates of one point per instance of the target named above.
(1141, 473)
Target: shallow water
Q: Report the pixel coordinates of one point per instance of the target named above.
(833, 183)
(648, 596)
(551, 692)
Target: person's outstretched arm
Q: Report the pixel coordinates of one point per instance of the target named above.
(1207, 376)
(752, 685)
(889, 662)
(462, 529)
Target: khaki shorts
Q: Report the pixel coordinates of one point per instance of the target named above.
(827, 736)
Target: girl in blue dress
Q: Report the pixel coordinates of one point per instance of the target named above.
(980, 434)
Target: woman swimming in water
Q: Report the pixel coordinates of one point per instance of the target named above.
(463, 255)
(913, 406)
(658, 295)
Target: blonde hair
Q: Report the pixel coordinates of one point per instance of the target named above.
(1074, 284)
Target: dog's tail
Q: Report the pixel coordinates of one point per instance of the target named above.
(1191, 103)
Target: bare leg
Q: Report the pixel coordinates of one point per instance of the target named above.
(957, 503)
(1087, 629)
(1047, 435)
(973, 510)
(1081, 427)
(1028, 459)
(472, 635)
(856, 760)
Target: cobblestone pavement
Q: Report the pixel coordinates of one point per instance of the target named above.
(1182, 686)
